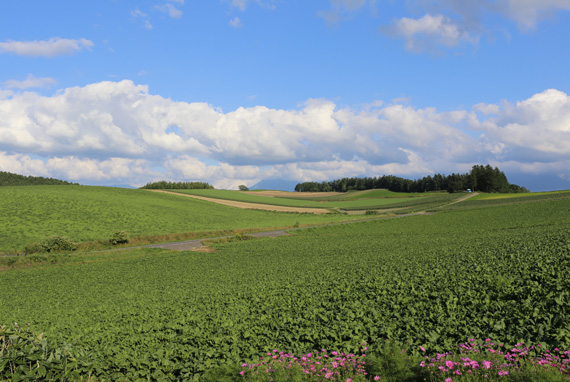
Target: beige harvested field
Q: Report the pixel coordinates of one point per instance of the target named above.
(251, 206)
(289, 194)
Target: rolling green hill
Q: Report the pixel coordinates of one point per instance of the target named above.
(86, 213)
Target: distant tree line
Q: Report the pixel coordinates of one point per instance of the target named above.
(10, 179)
(480, 178)
(164, 185)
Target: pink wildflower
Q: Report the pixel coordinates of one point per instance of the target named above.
(448, 380)
(503, 372)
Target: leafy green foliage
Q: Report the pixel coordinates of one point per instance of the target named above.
(394, 363)
(27, 356)
(57, 244)
(119, 237)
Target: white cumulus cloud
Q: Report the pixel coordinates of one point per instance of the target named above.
(429, 32)
(50, 48)
(533, 130)
(117, 130)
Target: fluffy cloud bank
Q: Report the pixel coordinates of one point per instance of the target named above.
(117, 132)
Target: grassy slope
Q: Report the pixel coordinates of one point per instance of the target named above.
(383, 193)
(484, 196)
(488, 270)
(83, 213)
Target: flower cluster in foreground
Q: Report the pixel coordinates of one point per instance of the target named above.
(315, 366)
(472, 361)
(488, 361)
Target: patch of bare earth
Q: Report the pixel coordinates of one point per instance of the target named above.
(251, 206)
(470, 195)
(204, 249)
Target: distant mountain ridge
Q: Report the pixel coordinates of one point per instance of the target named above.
(275, 184)
(10, 179)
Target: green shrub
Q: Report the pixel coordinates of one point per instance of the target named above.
(33, 248)
(240, 237)
(119, 237)
(57, 244)
(394, 364)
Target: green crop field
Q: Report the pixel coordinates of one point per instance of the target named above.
(353, 201)
(486, 269)
(83, 213)
(520, 195)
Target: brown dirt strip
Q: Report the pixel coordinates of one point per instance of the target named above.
(470, 195)
(251, 206)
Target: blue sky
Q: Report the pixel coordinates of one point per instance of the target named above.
(236, 91)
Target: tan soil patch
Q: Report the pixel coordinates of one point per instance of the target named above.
(470, 195)
(204, 249)
(289, 194)
(251, 206)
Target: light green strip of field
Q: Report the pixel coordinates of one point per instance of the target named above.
(280, 201)
(510, 196)
(383, 193)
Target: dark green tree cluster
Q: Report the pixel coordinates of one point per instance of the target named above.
(10, 179)
(164, 185)
(480, 178)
